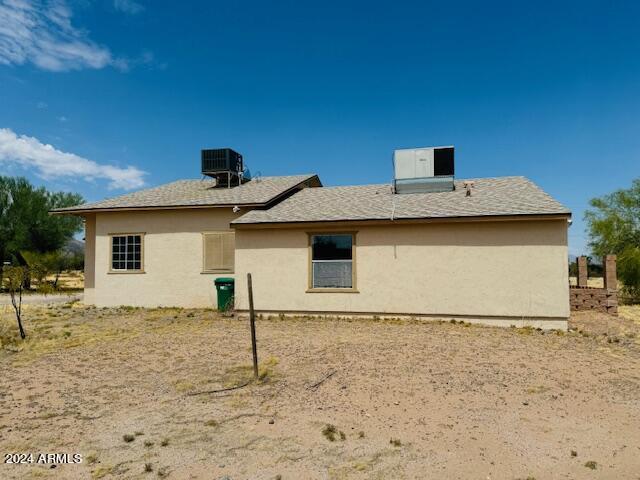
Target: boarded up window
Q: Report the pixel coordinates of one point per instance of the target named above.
(219, 251)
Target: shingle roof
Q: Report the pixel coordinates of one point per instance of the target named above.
(197, 193)
(490, 197)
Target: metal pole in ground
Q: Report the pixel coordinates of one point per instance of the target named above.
(252, 321)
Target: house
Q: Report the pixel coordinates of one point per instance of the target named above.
(487, 250)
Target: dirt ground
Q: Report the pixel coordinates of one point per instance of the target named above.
(400, 399)
(593, 282)
(70, 280)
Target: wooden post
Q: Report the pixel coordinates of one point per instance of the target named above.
(252, 321)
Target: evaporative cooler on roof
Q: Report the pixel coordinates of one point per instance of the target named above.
(423, 170)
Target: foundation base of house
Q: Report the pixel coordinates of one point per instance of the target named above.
(545, 323)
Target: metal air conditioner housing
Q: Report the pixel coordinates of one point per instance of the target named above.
(423, 170)
(221, 160)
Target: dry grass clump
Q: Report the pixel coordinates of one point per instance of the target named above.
(537, 389)
(102, 471)
(52, 328)
(183, 386)
(238, 375)
(630, 312)
(266, 369)
(9, 336)
(331, 433)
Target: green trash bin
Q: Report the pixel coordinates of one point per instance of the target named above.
(225, 287)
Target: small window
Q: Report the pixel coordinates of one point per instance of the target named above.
(218, 252)
(126, 252)
(332, 261)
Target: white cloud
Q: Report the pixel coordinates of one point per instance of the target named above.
(50, 163)
(128, 6)
(32, 31)
(63, 119)
(145, 59)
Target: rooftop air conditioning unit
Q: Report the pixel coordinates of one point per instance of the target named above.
(423, 170)
(223, 164)
(219, 160)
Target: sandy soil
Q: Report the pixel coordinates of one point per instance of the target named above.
(407, 399)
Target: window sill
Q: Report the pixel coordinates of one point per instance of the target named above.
(125, 272)
(216, 272)
(332, 290)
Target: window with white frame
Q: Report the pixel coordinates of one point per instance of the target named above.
(332, 260)
(126, 252)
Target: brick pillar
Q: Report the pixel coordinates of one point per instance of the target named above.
(609, 273)
(582, 271)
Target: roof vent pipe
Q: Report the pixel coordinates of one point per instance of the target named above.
(468, 185)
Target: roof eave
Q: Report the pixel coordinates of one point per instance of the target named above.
(84, 211)
(388, 221)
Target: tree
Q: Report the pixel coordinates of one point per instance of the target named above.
(14, 279)
(25, 223)
(614, 228)
(42, 265)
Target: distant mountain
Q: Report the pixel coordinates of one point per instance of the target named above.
(74, 246)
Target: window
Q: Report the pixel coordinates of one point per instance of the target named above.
(218, 251)
(332, 261)
(126, 253)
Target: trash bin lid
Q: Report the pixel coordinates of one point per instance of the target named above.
(224, 281)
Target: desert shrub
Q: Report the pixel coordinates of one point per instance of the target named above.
(331, 433)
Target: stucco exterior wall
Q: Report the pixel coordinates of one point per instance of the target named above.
(172, 258)
(493, 272)
(89, 259)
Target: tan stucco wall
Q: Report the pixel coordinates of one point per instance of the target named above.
(504, 270)
(172, 257)
(89, 259)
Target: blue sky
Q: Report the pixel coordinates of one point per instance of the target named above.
(127, 92)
